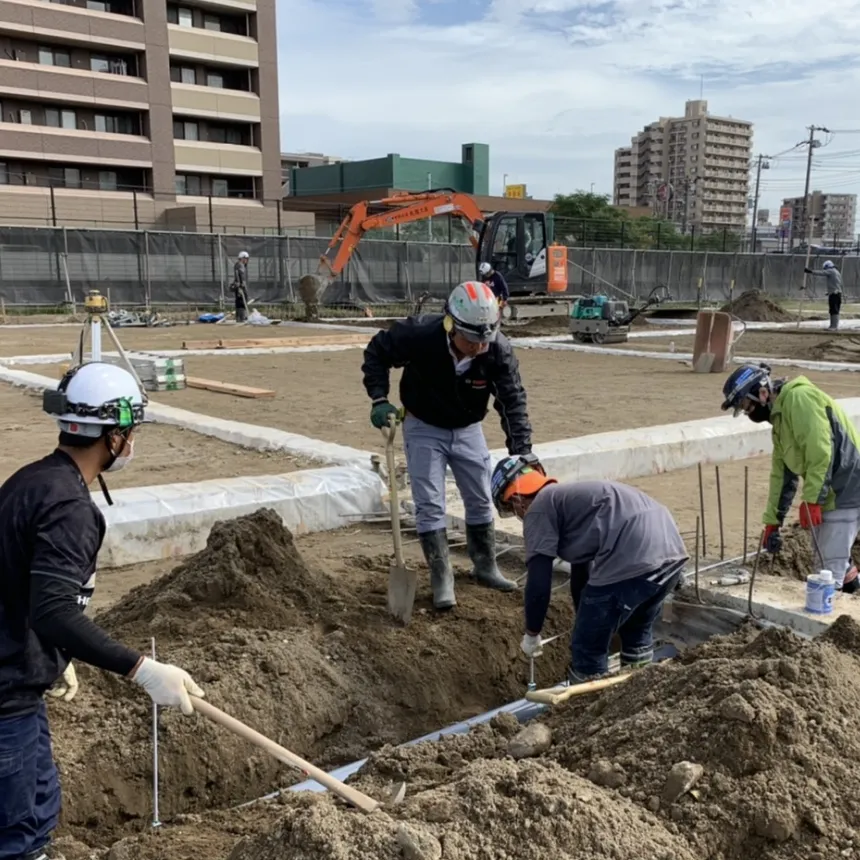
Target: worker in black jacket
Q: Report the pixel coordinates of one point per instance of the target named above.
(50, 534)
(452, 363)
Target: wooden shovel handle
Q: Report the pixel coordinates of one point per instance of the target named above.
(549, 697)
(350, 795)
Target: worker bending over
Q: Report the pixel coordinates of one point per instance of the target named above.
(813, 439)
(834, 289)
(453, 362)
(240, 286)
(496, 282)
(50, 535)
(625, 553)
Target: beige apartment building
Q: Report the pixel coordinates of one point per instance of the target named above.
(140, 113)
(833, 218)
(693, 170)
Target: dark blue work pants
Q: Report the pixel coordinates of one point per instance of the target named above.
(29, 785)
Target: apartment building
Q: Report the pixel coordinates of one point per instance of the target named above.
(139, 113)
(833, 218)
(693, 170)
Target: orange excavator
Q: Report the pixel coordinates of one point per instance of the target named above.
(516, 244)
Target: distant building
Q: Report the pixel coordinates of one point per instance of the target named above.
(763, 217)
(693, 170)
(289, 160)
(833, 218)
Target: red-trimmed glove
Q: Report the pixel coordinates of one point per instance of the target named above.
(810, 515)
(772, 540)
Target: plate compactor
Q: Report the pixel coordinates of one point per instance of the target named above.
(601, 320)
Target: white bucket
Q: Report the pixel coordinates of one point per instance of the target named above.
(820, 589)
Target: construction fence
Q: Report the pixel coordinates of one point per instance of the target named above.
(52, 267)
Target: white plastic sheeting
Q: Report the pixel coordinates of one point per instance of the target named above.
(151, 523)
(235, 432)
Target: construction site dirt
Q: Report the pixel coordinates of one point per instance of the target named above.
(739, 748)
(569, 394)
(163, 454)
(298, 645)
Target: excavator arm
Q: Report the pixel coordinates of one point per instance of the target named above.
(402, 209)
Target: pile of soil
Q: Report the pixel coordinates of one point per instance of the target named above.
(755, 306)
(797, 558)
(314, 662)
(743, 747)
(836, 348)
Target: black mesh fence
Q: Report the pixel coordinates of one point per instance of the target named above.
(52, 266)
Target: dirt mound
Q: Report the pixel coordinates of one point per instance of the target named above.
(797, 559)
(754, 306)
(743, 747)
(313, 661)
(836, 348)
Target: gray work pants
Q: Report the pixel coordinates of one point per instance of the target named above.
(429, 451)
(836, 536)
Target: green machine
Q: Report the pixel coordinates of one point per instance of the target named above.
(603, 321)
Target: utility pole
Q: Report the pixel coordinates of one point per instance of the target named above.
(762, 165)
(806, 221)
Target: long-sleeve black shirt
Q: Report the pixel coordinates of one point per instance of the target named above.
(431, 390)
(50, 535)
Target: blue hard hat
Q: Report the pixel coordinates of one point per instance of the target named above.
(744, 382)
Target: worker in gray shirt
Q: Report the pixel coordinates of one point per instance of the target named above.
(834, 289)
(240, 286)
(624, 549)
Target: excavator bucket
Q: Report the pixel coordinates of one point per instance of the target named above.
(311, 287)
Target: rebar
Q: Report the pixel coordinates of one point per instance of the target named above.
(746, 509)
(750, 610)
(155, 820)
(696, 558)
(702, 512)
(720, 514)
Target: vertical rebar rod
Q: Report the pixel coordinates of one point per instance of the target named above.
(696, 564)
(155, 820)
(720, 515)
(702, 512)
(746, 509)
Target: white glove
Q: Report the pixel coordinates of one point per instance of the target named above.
(67, 686)
(168, 686)
(531, 645)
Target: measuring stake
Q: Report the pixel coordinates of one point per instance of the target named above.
(702, 512)
(155, 820)
(746, 509)
(720, 515)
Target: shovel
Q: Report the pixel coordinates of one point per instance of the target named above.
(402, 582)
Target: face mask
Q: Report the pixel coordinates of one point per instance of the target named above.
(120, 463)
(759, 413)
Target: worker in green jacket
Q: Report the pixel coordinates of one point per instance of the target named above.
(813, 439)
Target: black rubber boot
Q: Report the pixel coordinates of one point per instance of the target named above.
(481, 546)
(435, 547)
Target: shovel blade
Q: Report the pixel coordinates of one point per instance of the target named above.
(402, 585)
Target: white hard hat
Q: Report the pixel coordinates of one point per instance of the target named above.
(828, 264)
(243, 255)
(474, 311)
(93, 396)
(485, 269)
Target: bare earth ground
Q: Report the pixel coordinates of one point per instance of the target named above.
(163, 455)
(321, 395)
(44, 341)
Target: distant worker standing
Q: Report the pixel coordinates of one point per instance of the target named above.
(625, 553)
(240, 286)
(453, 362)
(834, 289)
(813, 439)
(496, 282)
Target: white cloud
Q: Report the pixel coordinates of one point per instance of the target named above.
(554, 86)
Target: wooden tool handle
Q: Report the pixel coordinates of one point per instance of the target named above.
(393, 497)
(350, 795)
(557, 695)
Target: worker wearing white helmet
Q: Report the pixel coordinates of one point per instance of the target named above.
(240, 286)
(833, 277)
(495, 281)
(453, 362)
(50, 535)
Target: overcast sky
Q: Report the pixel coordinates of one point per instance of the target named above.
(554, 86)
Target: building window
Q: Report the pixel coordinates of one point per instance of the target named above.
(183, 75)
(4, 173)
(72, 177)
(25, 117)
(184, 17)
(98, 6)
(188, 185)
(220, 188)
(185, 130)
(55, 57)
(107, 180)
(212, 22)
(215, 79)
(115, 124)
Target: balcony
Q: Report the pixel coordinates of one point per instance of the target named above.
(213, 103)
(210, 46)
(200, 157)
(37, 20)
(45, 144)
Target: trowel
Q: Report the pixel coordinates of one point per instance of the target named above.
(402, 582)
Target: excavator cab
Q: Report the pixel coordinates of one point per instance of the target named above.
(515, 244)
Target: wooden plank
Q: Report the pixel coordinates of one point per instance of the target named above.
(228, 388)
(255, 343)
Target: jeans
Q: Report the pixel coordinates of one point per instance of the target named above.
(834, 303)
(29, 785)
(629, 608)
(429, 452)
